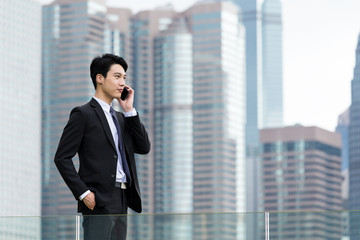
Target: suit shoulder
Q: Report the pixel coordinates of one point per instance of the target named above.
(82, 108)
(81, 112)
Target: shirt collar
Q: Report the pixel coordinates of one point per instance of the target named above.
(104, 105)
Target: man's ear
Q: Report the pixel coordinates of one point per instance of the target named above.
(99, 78)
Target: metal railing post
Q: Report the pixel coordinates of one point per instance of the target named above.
(77, 227)
(267, 235)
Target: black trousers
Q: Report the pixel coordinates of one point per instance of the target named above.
(108, 222)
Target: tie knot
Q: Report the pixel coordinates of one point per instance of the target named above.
(113, 114)
(112, 111)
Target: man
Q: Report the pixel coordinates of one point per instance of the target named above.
(105, 140)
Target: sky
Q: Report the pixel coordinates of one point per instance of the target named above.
(320, 38)
(319, 43)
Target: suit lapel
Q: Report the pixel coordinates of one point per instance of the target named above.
(100, 112)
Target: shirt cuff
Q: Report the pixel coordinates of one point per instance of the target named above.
(84, 195)
(131, 113)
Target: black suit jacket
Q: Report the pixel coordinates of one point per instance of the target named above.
(88, 134)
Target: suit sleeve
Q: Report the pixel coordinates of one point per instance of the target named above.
(139, 135)
(69, 145)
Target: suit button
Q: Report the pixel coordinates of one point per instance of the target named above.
(115, 156)
(112, 175)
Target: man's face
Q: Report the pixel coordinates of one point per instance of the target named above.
(114, 82)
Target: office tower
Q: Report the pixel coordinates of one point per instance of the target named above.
(118, 35)
(218, 104)
(272, 72)
(145, 26)
(20, 124)
(301, 171)
(343, 129)
(251, 18)
(354, 149)
(263, 24)
(219, 114)
(173, 99)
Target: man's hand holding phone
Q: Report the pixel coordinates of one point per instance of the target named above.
(124, 94)
(127, 98)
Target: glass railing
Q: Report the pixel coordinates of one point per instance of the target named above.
(329, 225)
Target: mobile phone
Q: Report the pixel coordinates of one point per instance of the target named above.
(124, 93)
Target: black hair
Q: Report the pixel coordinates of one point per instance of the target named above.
(101, 65)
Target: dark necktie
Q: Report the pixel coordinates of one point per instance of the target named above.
(121, 146)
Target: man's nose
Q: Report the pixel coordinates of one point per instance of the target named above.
(122, 82)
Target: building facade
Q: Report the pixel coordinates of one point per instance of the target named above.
(219, 115)
(301, 177)
(173, 93)
(343, 129)
(20, 124)
(272, 65)
(145, 26)
(354, 149)
(251, 18)
(264, 74)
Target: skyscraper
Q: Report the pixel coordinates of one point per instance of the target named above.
(252, 19)
(173, 93)
(20, 124)
(272, 65)
(354, 149)
(118, 34)
(263, 23)
(219, 79)
(343, 129)
(73, 33)
(145, 26)
(301, 171)
(218, 112)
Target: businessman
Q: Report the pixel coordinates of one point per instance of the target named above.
(106, 183)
